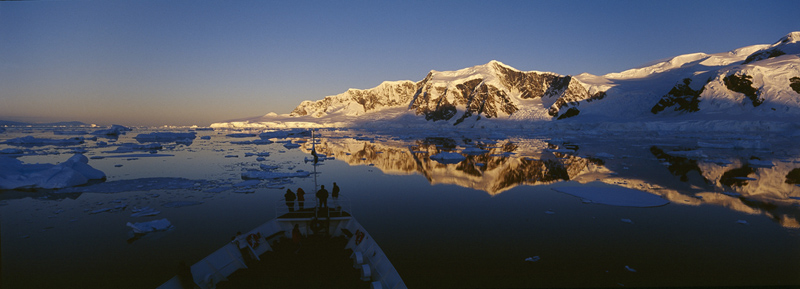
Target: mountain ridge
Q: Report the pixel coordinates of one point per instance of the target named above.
(756, 81)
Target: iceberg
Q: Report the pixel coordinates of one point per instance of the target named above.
(614, 196)
(73, 172)
(115, 130)
(151, 226)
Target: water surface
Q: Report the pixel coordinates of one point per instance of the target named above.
(732, 217)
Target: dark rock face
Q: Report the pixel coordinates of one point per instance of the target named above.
(572, 111)
(681, 95)
(764, 54)
(743, 84)
(476, 97)
(794, 83)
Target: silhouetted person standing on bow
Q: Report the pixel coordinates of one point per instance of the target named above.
(289, 196)
(301, 198)
(335, 192)
(322, 195)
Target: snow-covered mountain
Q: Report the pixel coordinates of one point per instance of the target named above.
(758, 81)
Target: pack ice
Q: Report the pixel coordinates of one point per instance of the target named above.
(73, 172)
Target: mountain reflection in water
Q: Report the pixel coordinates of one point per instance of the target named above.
(682, 175)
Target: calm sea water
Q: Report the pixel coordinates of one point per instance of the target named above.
(732, 217)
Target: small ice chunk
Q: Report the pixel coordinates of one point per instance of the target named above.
(474, 151)
(151, 226)
(100, 211)
(743, 222)
(549, 212)
(142, 212)
(268, 167)
(532, 259)
(448, 157)
(630, 269)
(626, 221)
(760, 163)
(291, 145)
(732, 194)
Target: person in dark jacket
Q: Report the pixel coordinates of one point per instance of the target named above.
(335, 192)
(322, 195)
(301, 198)
(290, 197)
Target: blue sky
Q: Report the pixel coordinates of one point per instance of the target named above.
(185, 63)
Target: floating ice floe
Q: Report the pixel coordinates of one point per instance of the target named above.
(165, 136)
(743, 222)
(629, 221)
(291, 145)
(73, 172)
(448, 157)
(760, 163)
(474, 151)
(142, 212)
(630, 269)
(614, 196)
(532, 259)
(151, 226)
(35, 141)
(261, 175)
